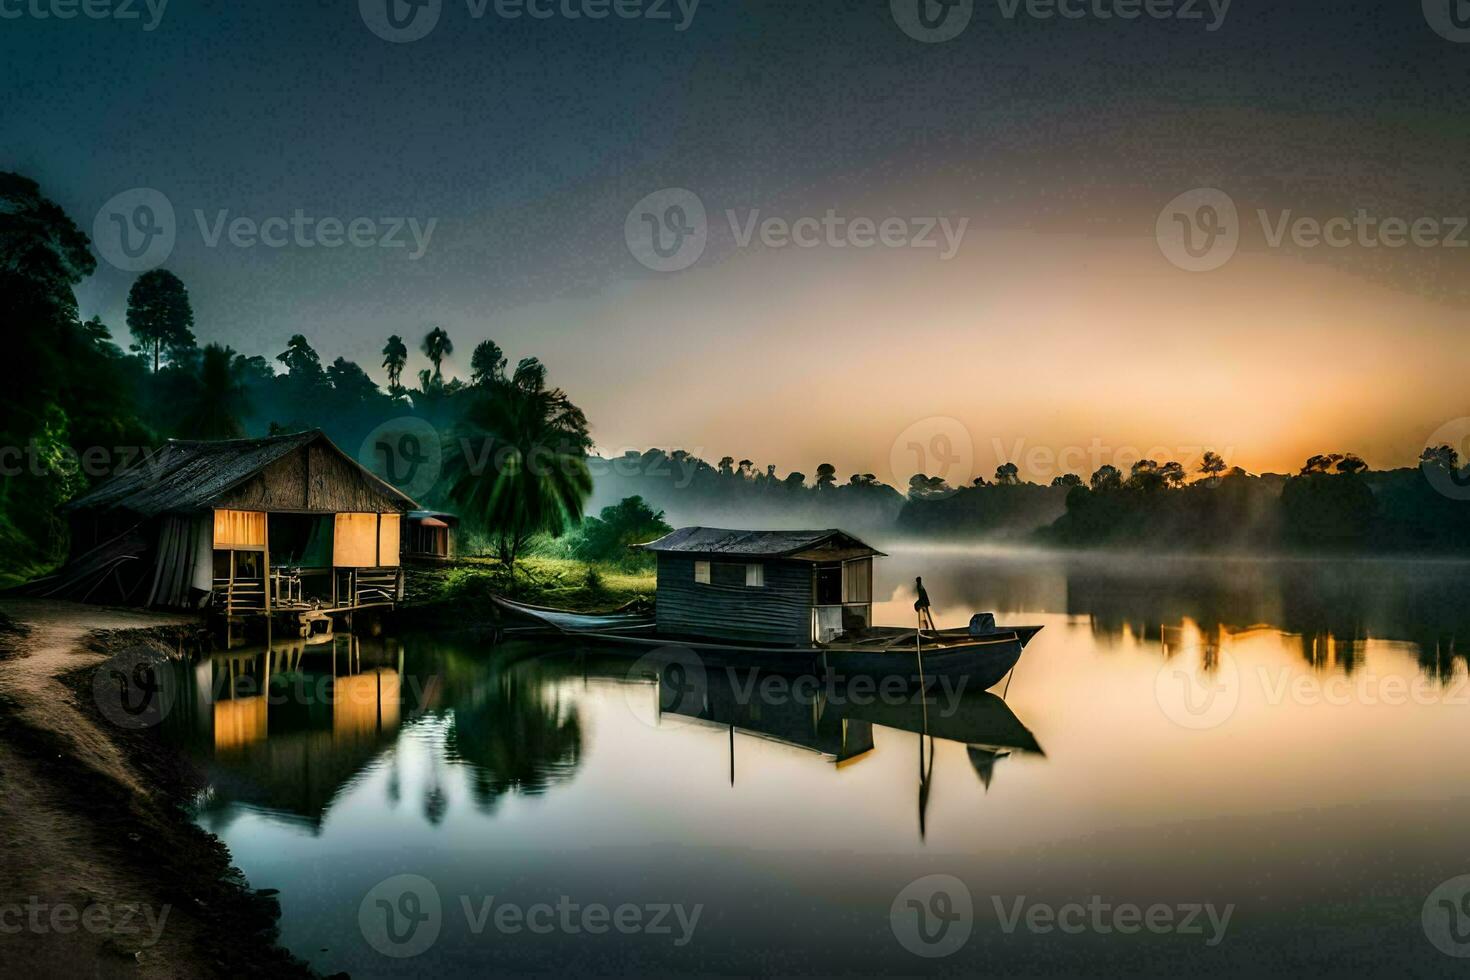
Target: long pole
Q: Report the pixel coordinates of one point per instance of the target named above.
(923, 686)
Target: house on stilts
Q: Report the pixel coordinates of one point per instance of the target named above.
(241, 527)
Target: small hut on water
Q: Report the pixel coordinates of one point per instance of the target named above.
(788, 587)
(240, 526)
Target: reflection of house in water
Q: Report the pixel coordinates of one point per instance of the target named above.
(1324, 651)
(838, 723)
(289, 723)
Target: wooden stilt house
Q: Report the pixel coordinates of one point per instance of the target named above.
(241, 526)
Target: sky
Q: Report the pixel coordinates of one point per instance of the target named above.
(910, 248)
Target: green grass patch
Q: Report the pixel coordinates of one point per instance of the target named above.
(465, 585)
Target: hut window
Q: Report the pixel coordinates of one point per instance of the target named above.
(755, 576)
(701, 572)
(828, 585)
(388, 531)
(857, 578)
(239, 529)
(355, 541)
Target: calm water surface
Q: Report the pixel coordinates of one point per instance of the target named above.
(1285, 740)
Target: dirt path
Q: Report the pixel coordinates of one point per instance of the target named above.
(101, 874)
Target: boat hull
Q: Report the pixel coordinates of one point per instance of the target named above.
(979, 665)
(883, 655)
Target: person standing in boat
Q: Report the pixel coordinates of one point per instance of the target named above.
(921, 604)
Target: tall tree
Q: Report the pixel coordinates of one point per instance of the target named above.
(42, 256)
(523, 466)
(160, 315)
(300, 359)
(350, 380)
(826, 476)
(436, 347)
(220, 401)
(395, 356)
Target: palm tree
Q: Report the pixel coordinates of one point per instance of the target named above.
(436, 347)
(523, 470)
(395, 356)
(487, 363)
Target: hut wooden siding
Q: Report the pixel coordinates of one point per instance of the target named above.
(315, 479)
(778, 612)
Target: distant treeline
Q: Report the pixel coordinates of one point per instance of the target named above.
(1335, 503)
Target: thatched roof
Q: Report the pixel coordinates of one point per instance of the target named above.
(187, 475)
(758, 544)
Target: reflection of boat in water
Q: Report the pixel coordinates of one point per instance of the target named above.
(831, 721)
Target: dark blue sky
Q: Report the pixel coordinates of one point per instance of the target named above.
(527, 141)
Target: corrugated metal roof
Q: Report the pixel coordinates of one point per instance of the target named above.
(188, 474)
(752, 544)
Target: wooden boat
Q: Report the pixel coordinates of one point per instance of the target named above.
(876, 654)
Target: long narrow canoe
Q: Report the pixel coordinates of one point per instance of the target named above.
(565, 621)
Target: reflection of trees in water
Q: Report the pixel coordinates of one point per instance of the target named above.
(1438, 656)
(1334, 607)
(516, 736)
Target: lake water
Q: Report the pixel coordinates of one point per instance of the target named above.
(1204, 766)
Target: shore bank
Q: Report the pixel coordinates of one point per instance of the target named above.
(102, 872)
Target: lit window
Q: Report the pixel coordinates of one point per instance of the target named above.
(755, 576)
(701, 572)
